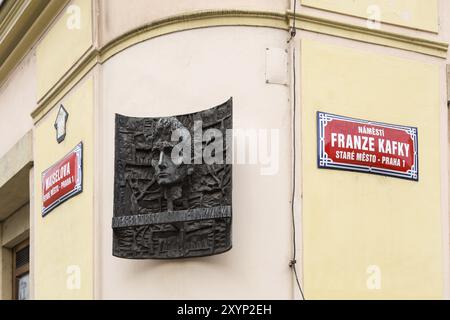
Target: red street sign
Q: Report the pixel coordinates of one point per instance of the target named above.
(63, 180)
(367, 146)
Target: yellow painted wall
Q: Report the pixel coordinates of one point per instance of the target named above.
(354, 220)
(64, 44)
(420, 14)
(64, 237)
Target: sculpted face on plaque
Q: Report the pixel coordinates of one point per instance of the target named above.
(165, 206)
(168, 174)
(166, 171)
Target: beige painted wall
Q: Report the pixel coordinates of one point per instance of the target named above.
(141, 12)
(17, 100)
(63, 44)
(63, 239)
(417, 14)
(216, 63)
(371, 220)
(444, 20)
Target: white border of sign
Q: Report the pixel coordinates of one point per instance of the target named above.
(324, 162)
(78, 185)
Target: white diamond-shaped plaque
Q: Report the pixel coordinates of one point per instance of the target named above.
(60, 124)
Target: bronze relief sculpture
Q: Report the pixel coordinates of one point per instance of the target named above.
(172, 186)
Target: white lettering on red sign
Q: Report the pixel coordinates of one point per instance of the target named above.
(63, 180)
(367, 146)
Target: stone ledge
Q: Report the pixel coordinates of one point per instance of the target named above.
(14, 176)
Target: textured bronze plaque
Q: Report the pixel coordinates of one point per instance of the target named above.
(164, 208)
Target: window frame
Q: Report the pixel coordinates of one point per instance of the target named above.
(21, 271)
